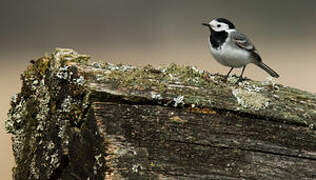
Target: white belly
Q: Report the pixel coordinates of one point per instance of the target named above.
(231, 56)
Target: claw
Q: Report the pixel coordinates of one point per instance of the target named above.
(240, 79)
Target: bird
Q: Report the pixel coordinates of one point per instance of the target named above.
(233, 49)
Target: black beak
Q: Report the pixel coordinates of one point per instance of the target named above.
(205, 24)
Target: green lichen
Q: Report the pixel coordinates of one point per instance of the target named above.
(37, 69)
(53, 89)
(150, 78)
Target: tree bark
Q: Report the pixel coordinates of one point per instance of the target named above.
(80, 119)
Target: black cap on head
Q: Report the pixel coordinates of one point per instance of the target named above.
(223, 20)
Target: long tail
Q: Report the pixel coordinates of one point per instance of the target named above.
(267, 69)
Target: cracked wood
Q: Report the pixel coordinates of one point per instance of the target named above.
(221, 145)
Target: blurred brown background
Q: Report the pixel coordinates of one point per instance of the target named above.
(157, 32)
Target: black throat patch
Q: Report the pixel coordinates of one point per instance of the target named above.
(218, 38)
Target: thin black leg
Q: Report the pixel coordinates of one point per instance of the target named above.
(242, 73)
(229, 73)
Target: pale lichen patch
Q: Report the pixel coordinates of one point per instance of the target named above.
(251, 87)
(80, 81)
(270, 81)
(63, 73)
(97, 158)
(16, 116)
(54, 160)
(66, 105)
(248, 99)
(155, 95)
(178, 101)
(50, 145)
(61, 54)
(136, 168)
(232, 79)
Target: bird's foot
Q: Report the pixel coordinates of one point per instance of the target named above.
(240, 79)
(226, 78)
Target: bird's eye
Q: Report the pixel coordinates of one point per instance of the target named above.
(218, 25)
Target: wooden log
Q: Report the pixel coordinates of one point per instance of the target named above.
(76, 118)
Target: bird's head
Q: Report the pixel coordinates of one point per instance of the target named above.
(219, 24)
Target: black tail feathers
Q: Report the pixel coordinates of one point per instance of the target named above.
(268, 69)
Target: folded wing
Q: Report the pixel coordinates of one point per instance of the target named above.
(241, 41)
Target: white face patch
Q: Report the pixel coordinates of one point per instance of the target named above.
(219, 26)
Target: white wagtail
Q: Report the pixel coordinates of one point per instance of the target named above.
(233, 49)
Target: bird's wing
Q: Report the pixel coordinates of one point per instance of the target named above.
(241, 41)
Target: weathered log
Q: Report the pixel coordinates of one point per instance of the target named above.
(80, 119)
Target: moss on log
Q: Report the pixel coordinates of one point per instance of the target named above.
(76, 118)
